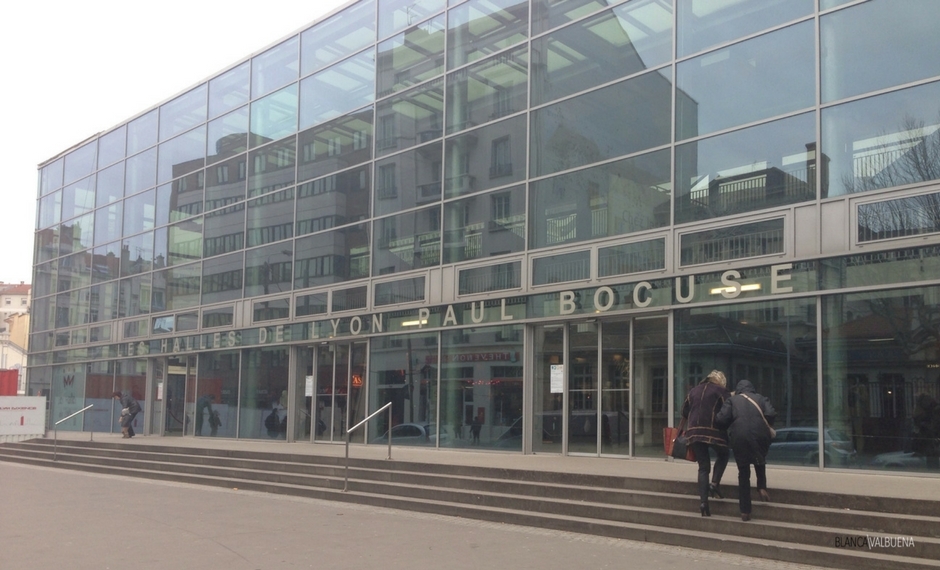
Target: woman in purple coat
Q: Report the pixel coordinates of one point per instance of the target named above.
(698, 415)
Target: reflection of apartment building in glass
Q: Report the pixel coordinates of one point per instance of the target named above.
(531, 225)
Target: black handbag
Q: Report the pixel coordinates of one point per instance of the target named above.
(682, 450)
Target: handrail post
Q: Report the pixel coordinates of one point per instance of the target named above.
(388, 407)
(55, 431)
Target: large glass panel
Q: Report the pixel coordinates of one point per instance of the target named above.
(222, 278)
(271, 168)
(884, 141)
(407, 241)
(71, 308)
(714, 94)
(335, 38)
(577, 131)
(332, 257)
(492, 277)
(182, 155)
(275, 68)
(548, 14)
(226, 182)
(876, 45)
(185, 241)
(401, 291)
(488, 90)
(47, 246)
(734, 242)
(140, 172)
(218, 376)
(81, 162)
(183, 113)
(77, 234)
(582, 388)
(575, 266)
(630, 258)
(410, 118)
(772, 344)
(409, 179)
(274, 117)
(74, 271)
(705, 23)
(68, 397)
(271, 218)
(110, 184)
(51, 177)
(182, 286)
(411, 57)
(626, 40)
(333, 201)
(105, 262)
(224, 230)
(50, 209)
(142, 132)
(548, 381)
(137, 254)
(349, 299)
(78, 198)
(229, 90)
(331, 376)
(135, 296)
(185, 196)
(403, 371)
(262, 404)
(270, 310)
(760, 167)
(42, 314)
(649, 384)
(483, 158)
(396, 15)
(339, 144)
(140, 212)
(228, 136)
(108, 223)
(481, 391)
(103, 306)
(482, 226)
(179, 396)
(268, 269)
(338, 89)
(618, 198)
(111, 146)
(479, 28)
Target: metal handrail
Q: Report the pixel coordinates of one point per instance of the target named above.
(55, 438)
(388, 407)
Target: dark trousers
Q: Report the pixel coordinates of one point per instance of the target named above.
(704, 460)
(744, 481)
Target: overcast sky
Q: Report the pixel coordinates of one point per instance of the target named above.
(74, 68)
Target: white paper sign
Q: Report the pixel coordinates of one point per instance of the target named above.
(22, 415)
(558, 378)
(308, 387)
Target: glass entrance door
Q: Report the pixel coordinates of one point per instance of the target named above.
(179, 396)
(600, 387)
(337, 398)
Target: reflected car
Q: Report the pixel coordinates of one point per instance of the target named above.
(414, 434)
(800, 445)
(900, 460)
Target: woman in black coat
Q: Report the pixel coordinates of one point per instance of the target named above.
(132, 408)
(744, 414)
(701, 406)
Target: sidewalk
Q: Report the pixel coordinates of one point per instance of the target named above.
(57, 518)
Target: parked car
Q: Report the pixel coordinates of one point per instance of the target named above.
(801, 445)
(414, 434)
(900, 460)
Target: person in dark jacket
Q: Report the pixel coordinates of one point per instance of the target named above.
(701, 406)
(748, 416)
(130, 408)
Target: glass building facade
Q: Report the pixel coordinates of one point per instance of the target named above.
(530, 225)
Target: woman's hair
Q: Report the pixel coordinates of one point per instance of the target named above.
(116, 394)
(717, 377)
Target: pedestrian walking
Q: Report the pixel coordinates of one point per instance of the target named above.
(702, 404)
(129, 409)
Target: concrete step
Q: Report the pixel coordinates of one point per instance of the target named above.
(639, 509)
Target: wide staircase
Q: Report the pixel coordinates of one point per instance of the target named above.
(822, 529)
